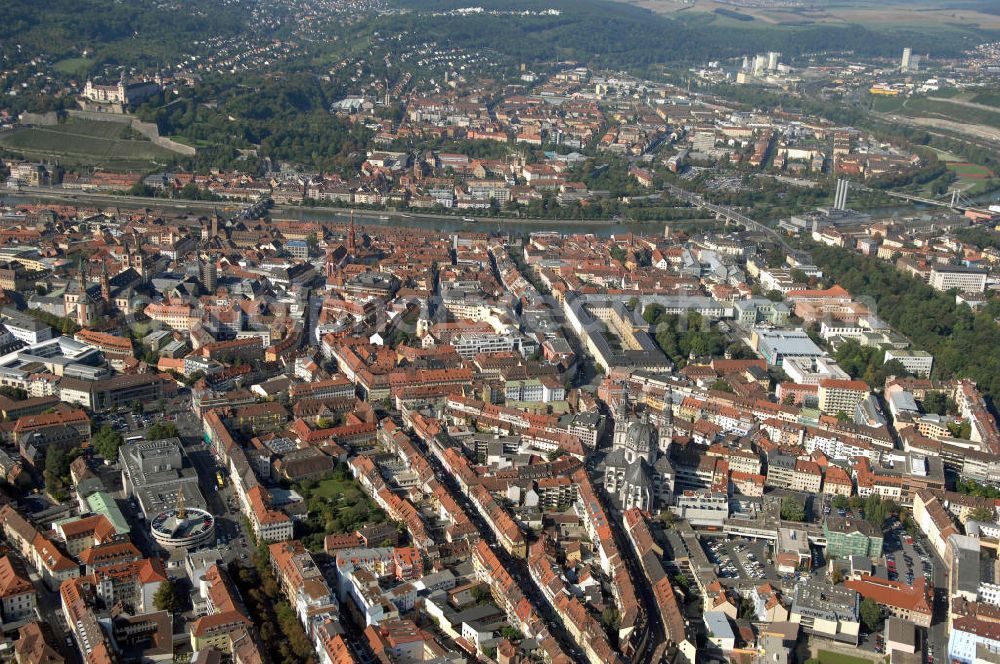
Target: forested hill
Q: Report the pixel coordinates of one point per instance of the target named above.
(596, 32)
(140, 32)
(285, 118)
(607, 33)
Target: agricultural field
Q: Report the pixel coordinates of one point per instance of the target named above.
(936, 16)
(970, 171)
(87, 142)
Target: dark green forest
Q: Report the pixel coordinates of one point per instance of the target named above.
(137, 32)
(285, 119)
(964, 343)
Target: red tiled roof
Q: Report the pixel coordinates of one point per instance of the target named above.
(30, 422)
(13, 581)
(832, 383)
(893, 593)
(219, 622)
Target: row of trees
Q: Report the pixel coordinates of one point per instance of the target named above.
(166, 597)
(981, 236)
(939, 403)
(189, 192)
(106, 442)
(65, 325)
(162, 429)
(973, 488)
(871, 614)
(281, 633)
(793, 509)
(58, 458)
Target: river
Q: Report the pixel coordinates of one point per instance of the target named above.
(448, 224)
(443, 223)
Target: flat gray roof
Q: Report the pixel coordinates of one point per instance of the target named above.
(901, 631)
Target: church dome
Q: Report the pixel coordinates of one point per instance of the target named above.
(640, 435)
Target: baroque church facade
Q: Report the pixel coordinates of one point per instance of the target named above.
(638, 470)
(85, 302)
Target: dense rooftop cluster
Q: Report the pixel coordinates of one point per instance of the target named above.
(457, 443)
(296, 399)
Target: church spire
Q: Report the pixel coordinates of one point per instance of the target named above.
(105, 283)
(82, 276)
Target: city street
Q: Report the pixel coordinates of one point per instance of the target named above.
(231, 541)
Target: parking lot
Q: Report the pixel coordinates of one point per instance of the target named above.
(725, 184)
(132, 419)
(741, 559)
(906, 558)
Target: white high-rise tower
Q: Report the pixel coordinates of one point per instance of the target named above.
(905, 63)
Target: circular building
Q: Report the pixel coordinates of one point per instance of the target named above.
(183, 528)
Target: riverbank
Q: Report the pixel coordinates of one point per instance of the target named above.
(71, 197)
(427, 221)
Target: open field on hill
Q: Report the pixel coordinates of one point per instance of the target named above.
(987, 99)
(972, 114)
(952, 109)
(74, 66)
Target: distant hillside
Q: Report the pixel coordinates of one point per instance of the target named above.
(131, 32)
(625, 34)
